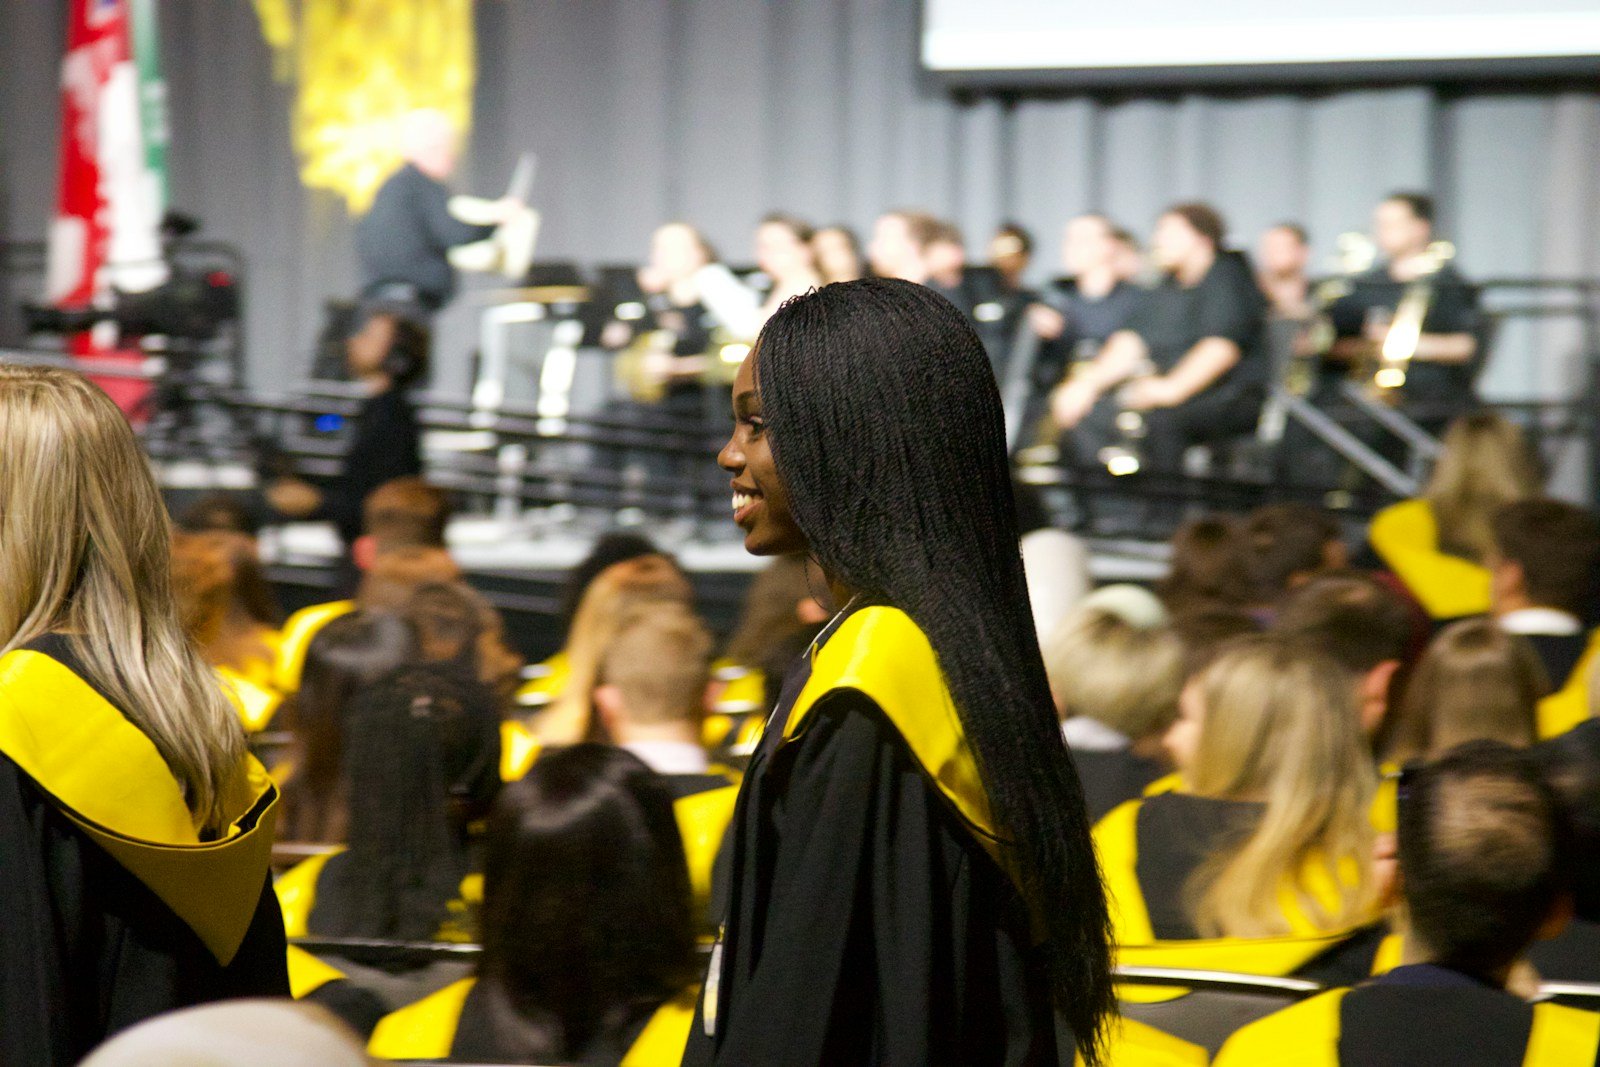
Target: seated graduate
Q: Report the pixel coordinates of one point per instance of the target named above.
(1483, 873)
(651, 695)
(1116, 683)
(1286, 546)
(400, 516)
(346, 657)
(1191, 357)
(457, 625)
(1438, 545)
(1475, 682)
(588, 942)
(421, 763)
(135, 829)
(250, 626)
(889, 901)
(1543, 569)
(207, 575)
(568, 717)
(1208, 567)
(1268, 836)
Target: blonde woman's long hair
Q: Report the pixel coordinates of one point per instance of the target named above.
(614, 591)
(1281, 728)
(1475, 682)
(1483, 464)
(85, 552)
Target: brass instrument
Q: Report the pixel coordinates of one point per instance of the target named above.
(637, 365)
(1404, 335)
(1355, 254)
(1125, 454)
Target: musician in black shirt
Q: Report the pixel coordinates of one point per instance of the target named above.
(404, 239)
(1190, 357)
(1438, 383)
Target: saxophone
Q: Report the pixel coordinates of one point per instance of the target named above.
(1400, 342)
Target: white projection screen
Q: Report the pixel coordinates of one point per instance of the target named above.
(1133, 42)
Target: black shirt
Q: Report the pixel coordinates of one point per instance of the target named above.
(1173, 318)
(1090, 318)
(1112, 777)
(1453, 308)
(1177, 834)
(387, 445)
(405, 236)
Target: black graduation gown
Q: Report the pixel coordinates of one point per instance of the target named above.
(865, 924)
(87, 948)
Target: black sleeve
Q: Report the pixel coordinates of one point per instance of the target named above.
(1232, 307)
(35, 929)
(431, 201)
(879, 938)
(1454, 306)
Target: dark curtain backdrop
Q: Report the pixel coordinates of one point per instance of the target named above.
(717, 111)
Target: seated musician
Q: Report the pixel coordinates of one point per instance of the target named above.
(404, 240)
(1282, 257)
(1010, 252)
(691, 300)
(1484, 872)
(1438, 382)
(1542, 569)
(899, 245)
(1190, 357)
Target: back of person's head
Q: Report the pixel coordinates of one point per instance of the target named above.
(345, 657)
(656, 669)
(615, 547)
(406, 513)
(771, 608)
(614, 592)
(1570, 762)
(586, 905)
(449, 622)
(1208, 566)
(1122, 675)
(1475, 682)
(1484, 464)
(422, 763)
(1206, 631)
(1272, 720)
(219, 513)
(1354, 618)
(397, 573)
(85, 550)
(1484, 857)
(236, 1033)
(1555, 548)
(202, 584)
(1287, 545)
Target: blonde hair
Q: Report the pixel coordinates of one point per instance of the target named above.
(1475, 682)
(85, 551)
(1281, 728)
(1103, 667)
(614, 591)
(660, 659)
(1484, 463)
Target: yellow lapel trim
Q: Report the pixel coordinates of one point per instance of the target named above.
(109, 779)
(424, 1030)
(881, 653)
(1562, 1035)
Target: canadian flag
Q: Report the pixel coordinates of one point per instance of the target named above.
(112, 187)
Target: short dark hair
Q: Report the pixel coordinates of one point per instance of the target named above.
(1122, 235)
(1420, 204)
(922, 227)
(1354, 618)
(1016, 231)
(1283, 540)
(1557, 545)
(800, 228)
(1484, 851)
(1206, 220)
(406, 513)
(1295, 228)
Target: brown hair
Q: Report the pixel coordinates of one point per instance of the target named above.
(1483, 465)
(406, 513)
(1203, 219)
(1475, 682)
(1208, 569)
(397, 573)
(1354, 618)
(769, 615)
(1557, 545)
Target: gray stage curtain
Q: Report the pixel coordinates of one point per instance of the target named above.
(717, 111)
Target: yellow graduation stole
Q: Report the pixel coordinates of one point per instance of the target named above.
(1569, 704)
(255, 703)
(296, 638)
(879, 652)
(105, 775)
(1406, 537)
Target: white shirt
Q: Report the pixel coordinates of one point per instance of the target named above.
(670, 757)
(1541, 622)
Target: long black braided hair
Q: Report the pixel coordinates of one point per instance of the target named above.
(886, 429)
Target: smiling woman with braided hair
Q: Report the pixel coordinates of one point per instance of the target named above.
(911, 875)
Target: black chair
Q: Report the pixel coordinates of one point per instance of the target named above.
(1213, 1004)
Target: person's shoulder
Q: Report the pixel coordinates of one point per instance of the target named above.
(1302, 1035)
